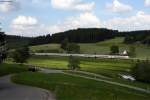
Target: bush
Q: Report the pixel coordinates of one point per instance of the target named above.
(73, 48)
(64, 44)
(21, 55)
(114, 49)
(141, 71)
(74, 63)
(132, 51)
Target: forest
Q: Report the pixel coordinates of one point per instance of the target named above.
(84, 35)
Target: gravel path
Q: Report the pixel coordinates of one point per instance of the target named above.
(11, 91)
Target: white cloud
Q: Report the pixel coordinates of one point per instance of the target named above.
(138, 22)
(25, 25)
(84, 20)
(72, 5)
(9, 6)
(118, 7)
(22, 22)
(147, 2)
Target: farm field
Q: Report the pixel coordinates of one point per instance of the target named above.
(76, 88)
(142, 51)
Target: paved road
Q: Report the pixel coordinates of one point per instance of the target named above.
(11, 91)
(82, 55)
(98, 79)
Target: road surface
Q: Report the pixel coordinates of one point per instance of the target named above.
(11, 91)
(81, 55)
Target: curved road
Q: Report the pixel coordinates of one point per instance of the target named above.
(11, 91)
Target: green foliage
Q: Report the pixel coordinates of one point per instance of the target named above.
(14, 42)
(137, 36)
(70, 47)
(141, 71)
(64, 44)
(73, 48)
(132, 51)
(2, 47)
(6, 69)
(21, 55)
(73, 63)
(84, 35)
(114, 49)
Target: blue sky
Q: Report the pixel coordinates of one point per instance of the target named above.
(39, 17)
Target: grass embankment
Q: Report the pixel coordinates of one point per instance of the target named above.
(6, 69)
(142, 51)
(75, 88)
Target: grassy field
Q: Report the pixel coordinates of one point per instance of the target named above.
(75, 88)
(142, 51)
(6, 69)
(107, 67)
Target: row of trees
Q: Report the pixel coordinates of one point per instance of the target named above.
(137, 36)
(87, 35)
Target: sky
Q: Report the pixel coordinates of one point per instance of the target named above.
(40, 17)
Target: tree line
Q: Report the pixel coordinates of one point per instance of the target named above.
(87, 35)
(92, 35)
(137, 36)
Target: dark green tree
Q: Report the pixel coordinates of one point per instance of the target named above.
(132, 51)
(21, 55)
(141, 71)
(114, 49)
(73, 63)
(64, 44)
(73, 48)
(2, 46)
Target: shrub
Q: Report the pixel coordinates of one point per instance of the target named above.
(114, 49)
(141, 71)
(21, 55)
(73, 48)
(73, 63)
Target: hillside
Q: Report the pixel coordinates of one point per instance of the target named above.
(16, 41)
(142, 51)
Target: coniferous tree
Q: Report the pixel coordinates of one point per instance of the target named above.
(2, 46)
